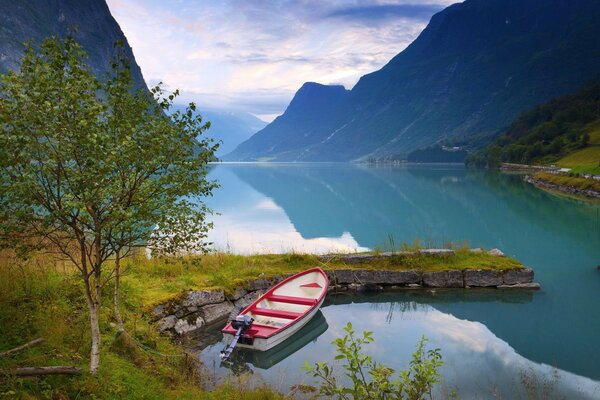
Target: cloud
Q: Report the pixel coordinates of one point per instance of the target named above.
(387, 11)
(253, 55)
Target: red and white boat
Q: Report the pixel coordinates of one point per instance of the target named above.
(277, 314)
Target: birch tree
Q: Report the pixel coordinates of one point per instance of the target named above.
(95, 168)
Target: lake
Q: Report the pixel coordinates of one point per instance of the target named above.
(494, 344)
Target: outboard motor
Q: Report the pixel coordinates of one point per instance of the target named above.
(241, 323)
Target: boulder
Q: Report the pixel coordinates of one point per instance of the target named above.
(515, 276)
(247, 299)
(344, 276)
(188, 324)
(482, 278)
(199, 298)
(369, 287)
(216, 312)
(167, 323)
(443, 279)
(402, 277)
(239, 293)
(259, 284)
(365, 276)
(476, 250)
(159, 311)
(496, 252)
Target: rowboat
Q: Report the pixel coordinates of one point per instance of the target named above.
(279, 313)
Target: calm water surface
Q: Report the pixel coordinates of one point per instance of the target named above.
(491, 341)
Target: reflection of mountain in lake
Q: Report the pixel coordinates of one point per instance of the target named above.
(559, 238)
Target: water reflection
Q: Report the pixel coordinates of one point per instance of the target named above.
(324, 207)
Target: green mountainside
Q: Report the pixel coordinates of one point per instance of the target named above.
(476, 66)
(564, 131)
(33, 20)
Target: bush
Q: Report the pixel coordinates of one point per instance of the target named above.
(371, 380)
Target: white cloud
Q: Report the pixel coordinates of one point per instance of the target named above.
(253, 56)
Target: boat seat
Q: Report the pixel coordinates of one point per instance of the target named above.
(305, 301)
(268, 312)
(312, 285)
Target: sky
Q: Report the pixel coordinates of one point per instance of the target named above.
(253, 55)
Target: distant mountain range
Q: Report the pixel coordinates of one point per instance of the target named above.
(33, 20)
(476, 66)
(229, 127)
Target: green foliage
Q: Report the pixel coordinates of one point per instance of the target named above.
(545, 133)
(371, 380)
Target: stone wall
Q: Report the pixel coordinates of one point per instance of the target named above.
(203, 309)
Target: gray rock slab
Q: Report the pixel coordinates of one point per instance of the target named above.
(366, 276)
(344, 276)
(496, 252)
(402, 277)
(188, 324)
(216, 312)
(443, 279)
(167, 323)
(515, 276)
(247, 299)
(199, 298)
(482, 278)
(437, 252)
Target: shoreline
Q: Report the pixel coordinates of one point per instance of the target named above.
(582, 194)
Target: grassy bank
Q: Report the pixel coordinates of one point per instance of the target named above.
(43, 298)
(569, 181)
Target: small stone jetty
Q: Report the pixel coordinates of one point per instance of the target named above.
(201, 309)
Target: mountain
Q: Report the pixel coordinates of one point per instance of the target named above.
(292, 134)
(565, 131)
(33, 20)
(229, 127)
(472, 70)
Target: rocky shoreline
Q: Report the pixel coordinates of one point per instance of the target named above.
(562, 188)
(202, 309)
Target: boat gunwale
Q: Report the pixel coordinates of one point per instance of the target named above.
(264, 296)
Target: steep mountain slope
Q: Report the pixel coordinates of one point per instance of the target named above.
(229, 127)
(33, 20)
(564, 130)
(470, 72)
(292, 134)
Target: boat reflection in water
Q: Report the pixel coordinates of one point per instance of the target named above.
(267, 359)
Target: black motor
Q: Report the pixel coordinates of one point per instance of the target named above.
(241, 323)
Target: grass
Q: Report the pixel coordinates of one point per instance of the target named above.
(41, 297)
(586, 160)
(566, 180)
(156, 280)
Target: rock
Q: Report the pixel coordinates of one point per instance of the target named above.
(496, 252)
(353, 286)
(531, 286)
(369, 287)
(159, 311)
(167, 323)
(199, 298)
(476, 250)
(259, 284)
(247, 299)
(482, 278)
(443, 279)
(515, 276)
(402, 277)
(344, 276)
(188, 324)
(192, 309)
(238, 294)
(216, 312)
(437, 252)
(330, 276)
(414, 286)
(364, 276)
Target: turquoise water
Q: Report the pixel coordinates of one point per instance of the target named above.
(491, 341)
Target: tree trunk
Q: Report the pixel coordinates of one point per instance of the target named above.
(94, 322)
(116, 293)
